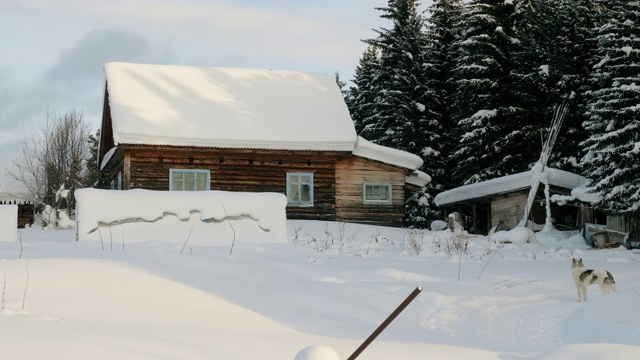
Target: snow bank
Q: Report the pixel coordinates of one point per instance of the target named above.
(517, 235)
(317, 352)
(8, 222)
(165, 216)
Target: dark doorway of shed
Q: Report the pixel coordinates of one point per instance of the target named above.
(476, 216)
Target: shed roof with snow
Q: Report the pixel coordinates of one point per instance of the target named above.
(507, 184)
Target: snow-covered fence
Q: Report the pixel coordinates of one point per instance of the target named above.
(8, 222)
(202, 217)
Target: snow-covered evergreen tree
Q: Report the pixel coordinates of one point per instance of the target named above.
(95, 178)
(613, 147)
(364, 95)
(574, 22)
(442, 30)
(531, 93)
(483, 96)
(401, 118)
(400, 108)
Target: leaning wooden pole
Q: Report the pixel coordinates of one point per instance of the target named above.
(386, 323)
(547, 147)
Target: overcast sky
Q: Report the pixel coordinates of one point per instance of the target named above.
(53, 51)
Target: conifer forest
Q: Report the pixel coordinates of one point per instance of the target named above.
(471, 87)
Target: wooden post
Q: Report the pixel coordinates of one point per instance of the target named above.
(386, 323)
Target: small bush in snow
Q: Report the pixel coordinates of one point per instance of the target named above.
(375, 241)
(412, 242)
(456, 245)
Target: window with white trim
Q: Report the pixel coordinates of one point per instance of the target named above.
(376, 193)
(300, 189)
(189, 180)
(120, 180)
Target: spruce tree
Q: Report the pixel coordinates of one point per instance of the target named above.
(483, 94)
(530, 93)
(572, 35)
(442, 30)
(613, 150)
(94, 177)
(401, 118)
(363, 96)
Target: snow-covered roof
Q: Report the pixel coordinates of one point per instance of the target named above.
(418, 178)
(509, 183)
(585, 194)
(235, 108)
(227, 108)
(369, 150)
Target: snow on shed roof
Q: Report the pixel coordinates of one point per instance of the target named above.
(509, 183)
(228, 108)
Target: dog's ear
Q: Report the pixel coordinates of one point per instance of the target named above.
(580, 263)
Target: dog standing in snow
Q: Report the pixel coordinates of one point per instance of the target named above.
(583, 278)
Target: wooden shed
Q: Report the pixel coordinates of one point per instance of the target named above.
(184, 128)
(501, 202)
(615, 229)
(26, 209)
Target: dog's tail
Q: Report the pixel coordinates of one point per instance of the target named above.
(611, 282)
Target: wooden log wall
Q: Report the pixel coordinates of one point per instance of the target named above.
(239, 170)
(351, 173)
(338, 177)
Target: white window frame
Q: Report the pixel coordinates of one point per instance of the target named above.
(376, 184)
(298, 201)
(195, 172)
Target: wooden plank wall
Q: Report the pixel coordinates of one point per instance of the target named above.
(509, 208)
(629, 223)
(351, 173)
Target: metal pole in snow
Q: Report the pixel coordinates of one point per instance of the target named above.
(386, 323)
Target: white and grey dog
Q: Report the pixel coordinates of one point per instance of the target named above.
(583, 278)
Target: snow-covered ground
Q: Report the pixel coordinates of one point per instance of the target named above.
(329, 284)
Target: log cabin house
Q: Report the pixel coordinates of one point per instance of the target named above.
(501, 202)
(176, 128)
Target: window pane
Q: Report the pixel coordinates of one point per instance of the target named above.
(293, 193)
(189, 181)
(377, 193)
(201, 181)
(300, 188)
(305, 194)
